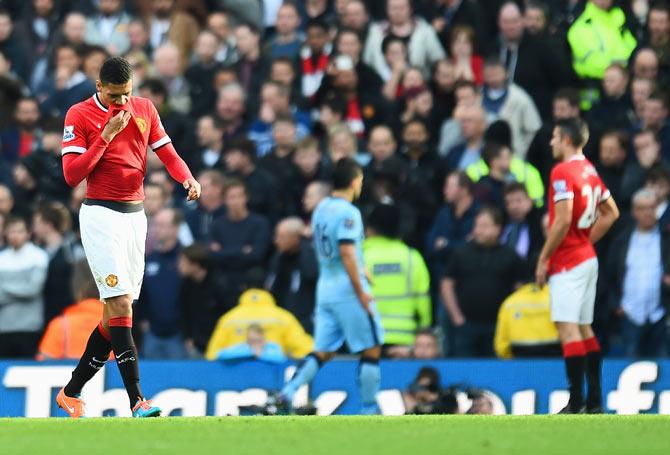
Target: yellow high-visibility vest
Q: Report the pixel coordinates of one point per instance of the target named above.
(400, 286)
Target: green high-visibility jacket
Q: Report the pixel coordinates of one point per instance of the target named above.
(523, 172)
(400, 286)
(597, 39)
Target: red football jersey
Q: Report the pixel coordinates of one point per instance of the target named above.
(578, 180)
(119, 174)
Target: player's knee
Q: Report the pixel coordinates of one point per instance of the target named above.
(372, 353)
(586, 331)
(324, 356)
(120, 306)
(568, 332)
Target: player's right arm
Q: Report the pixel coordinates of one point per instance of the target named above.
(348, 255)
(563, 187)
(349, 228)
(79, 158)
(608, 213)
(557, 232)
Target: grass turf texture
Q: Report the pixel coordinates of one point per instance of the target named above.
(409, 435)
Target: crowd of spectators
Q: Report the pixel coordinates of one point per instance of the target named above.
(449, 106)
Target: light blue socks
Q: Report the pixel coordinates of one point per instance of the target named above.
(369, 379)
(303, 375)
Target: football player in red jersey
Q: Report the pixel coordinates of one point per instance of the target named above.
(581, 211)
(105, 141)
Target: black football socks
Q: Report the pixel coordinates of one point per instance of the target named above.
(574, 354)
(594, 361)
(93, 359)
(126, 355)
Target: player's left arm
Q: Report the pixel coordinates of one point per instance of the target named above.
(557, 232)
(608, 213)
(161, 144)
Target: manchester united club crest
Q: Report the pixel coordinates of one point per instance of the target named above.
(111, 280)
(141, 124)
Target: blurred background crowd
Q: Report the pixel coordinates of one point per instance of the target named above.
(448, 104)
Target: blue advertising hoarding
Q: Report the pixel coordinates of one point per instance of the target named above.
(198, 388)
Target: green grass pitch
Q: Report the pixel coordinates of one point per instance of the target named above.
(409, 435)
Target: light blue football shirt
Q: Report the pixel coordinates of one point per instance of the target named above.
(334, 221)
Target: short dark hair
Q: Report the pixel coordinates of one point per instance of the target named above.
(620, 136)
(390, 39)
(568, 94)
(350, 31)
(77, 49)
(242, 144)
(285, 60)
(345, 172)
(499, 132)
(51, 215)
(492, 150)
(197, 254)
(537, 4)
(464, 181)
(647, 131)
(93, 49)
(217, 123)
(17, 219)
(234, 182)
(461, 83)
(658, 173)
(317, 22)
(284, 118)
(161, 188)
(384, 219)
(573, 129)
(116, 70)
(515, 187)
(155, 86)
(659, 95)
(660, 6)
(494, 60)
(494, 213)
(335, 104)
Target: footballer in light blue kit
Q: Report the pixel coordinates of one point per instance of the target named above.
(345, 311)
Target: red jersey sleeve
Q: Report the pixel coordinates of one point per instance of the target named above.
(157, 135)
(562, 184)
(74, 133)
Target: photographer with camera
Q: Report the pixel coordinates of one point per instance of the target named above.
(425, 395)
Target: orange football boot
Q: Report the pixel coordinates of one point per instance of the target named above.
(72, 405)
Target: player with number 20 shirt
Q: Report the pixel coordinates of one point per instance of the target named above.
(581, 211)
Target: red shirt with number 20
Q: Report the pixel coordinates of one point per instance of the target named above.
(575, 179)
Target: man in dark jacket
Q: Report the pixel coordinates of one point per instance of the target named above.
(240, 238)
(204, 296)
(479, 276)
(293, 271)
(49, 223)
(531, 62)
(639, 276)
(158, 306)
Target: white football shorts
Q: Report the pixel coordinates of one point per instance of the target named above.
(114, 244)
(573, 293)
